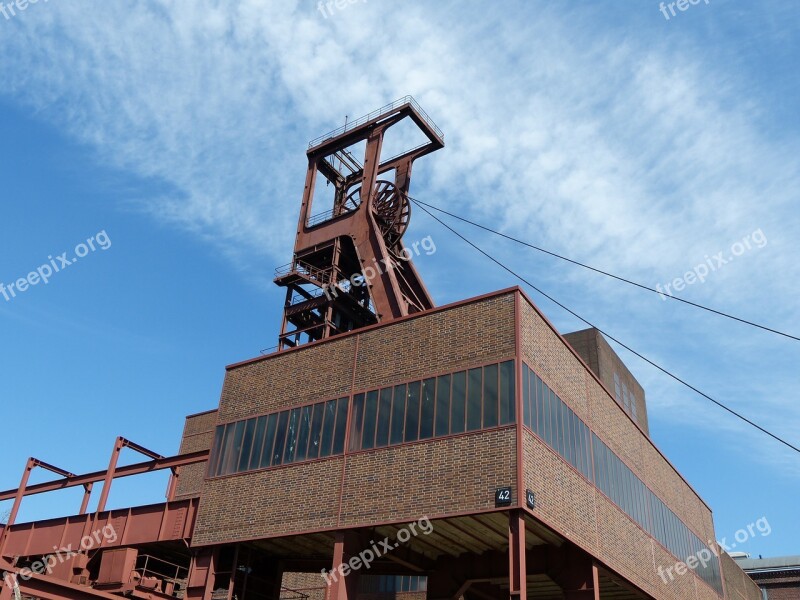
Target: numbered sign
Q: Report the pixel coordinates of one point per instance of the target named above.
(502, 497)
(530, 499)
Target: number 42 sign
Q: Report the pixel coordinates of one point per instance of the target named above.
(502, 497)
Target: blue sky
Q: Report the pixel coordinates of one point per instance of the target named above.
(601, 130)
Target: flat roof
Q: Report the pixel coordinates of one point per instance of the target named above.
(775, 562)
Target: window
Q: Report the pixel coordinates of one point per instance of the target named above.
(384, 417)
(442, 405)
(398, 414)
(479, 398)
(328, 422)
(412, 412)
(490, 396)
(428, 409)
(258, 444)
(474, 399)
(508, 386)
(458, 408)
(357, 426)
(528, 407)
(625, 402)
(370, 418)
(269, 441)
(341, 426)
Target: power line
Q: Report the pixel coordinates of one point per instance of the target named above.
(608, 335)
(606, 273)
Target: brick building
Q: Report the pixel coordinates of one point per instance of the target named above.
(393, 449)
(778, 577)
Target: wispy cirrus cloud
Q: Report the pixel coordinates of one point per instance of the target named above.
(625, 150)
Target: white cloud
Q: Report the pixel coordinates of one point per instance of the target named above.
(630, 153)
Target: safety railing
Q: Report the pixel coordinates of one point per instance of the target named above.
(376, 114)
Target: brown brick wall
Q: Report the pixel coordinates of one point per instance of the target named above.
(604, 362)
(317, 372)
(390, 484)
(198, 434)
(738, 584)
(783, 592)
(444, 341)
(564, 499)
(311, 584)
(548, 355)
(438, 477)
(573, 506)
(269, 503)
(450, 475)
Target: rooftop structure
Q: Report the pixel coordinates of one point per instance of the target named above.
(777, 577)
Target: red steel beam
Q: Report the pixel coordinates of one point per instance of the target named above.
(126, 471)
(50, 588)
(138, 525)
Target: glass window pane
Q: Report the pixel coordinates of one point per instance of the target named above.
(291, 436)
(341, 425)
(370, 420)
(490, 396)
(508, 387)
(457, 408)
(384, 417)
(302, 436)
(474, 391)
(562, 428)
(269, 441)
(575, 453)
(247, 445)
(356, 428)
(548, 415)
(398, 414)
(213, 461)
(412, 412)
(442, 405)
(280, 438)
(527, 420)
(541, 415)
(315, 435)
(587, 440)
(427, 409)
(573, 444)
(328, 421)
(565, 418)
(258, 443)
(235, 446)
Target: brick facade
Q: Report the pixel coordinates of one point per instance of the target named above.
(455, 474)
(198, 434)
